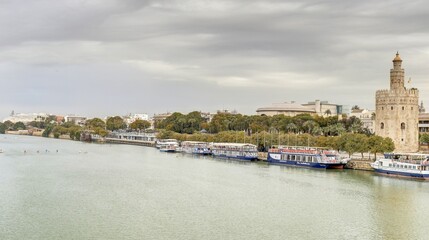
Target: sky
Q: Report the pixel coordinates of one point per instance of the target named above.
(114, 57)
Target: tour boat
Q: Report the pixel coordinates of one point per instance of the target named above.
(306, 157)
(194, 147)
(168, 146)
(241, 151)
(409, 165)
(161, 142)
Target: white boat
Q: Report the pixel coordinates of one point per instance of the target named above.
(194, 147)
(409, 165)
(168, 145)
(242, 151)
(161, 142)
(300, 156)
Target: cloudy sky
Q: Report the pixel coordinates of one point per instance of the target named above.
(108, 57)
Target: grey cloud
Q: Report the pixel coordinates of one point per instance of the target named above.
(204, 54)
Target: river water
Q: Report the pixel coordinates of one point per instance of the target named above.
(102, 191)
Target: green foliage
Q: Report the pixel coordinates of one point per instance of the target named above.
(19, 126)
(379, 144)
(424, 138)
(95, 123)
(115, 123)
(2, 128)
(48, 130)
(352, 142)
(302, 123)
(140, 124)
(8, 125)
(180, 123)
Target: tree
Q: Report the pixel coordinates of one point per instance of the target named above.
(115, 123)
(140, 124)
(8, 125)
(2, 128)
(424, 139)
(355, 107)
(95, 123)
(328, 112)
(19, 126)
(379, 144)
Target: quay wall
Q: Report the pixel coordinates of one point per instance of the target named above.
(131, 142)
(360, 165)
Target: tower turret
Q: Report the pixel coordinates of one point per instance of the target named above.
(397, 75)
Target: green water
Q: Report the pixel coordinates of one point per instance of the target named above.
(90, 191)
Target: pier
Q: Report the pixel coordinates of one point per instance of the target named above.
(131, 142)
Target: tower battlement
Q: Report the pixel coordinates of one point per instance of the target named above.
(397, 111)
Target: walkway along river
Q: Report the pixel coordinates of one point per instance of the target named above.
(103, 191)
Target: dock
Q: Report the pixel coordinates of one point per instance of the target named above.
(131, 142)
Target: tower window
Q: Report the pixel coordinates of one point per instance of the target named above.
(403, 108)
(391, 108)
(382, 108)
(402, 126)
(412, 108)
(382, 125)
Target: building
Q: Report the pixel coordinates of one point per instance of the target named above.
(26, 117)
(288, 109)
(321, 108)
(79, 120)
(136, 116)
(424, 123)
(367, 117)
(397, 111)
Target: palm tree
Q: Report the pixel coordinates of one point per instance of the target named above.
(328, 112)
(291, 127)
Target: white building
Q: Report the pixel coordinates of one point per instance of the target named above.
(26, 117)
(321, 108)
(79, 120)
(366, 116)
(136, 116)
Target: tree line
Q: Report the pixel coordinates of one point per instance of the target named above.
(303, 123)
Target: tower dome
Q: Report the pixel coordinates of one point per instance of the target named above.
(397, 58)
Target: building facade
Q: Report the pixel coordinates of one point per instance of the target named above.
(397, 111)
(321, 108)
(367, 117)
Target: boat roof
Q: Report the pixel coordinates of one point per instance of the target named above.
(193, 142)
(234, 144)
(408, 154)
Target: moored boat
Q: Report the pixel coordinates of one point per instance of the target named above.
(241, 151)
(306, 157)
(170, 145)
(194, 147)
(161, 142)
(409, 165)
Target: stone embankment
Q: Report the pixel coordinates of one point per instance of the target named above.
(359, 164)
(262, 156)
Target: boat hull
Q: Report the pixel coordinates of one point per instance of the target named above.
(167, 150)
(412, 175)
(244, 158)
(298, 163)
(335, 165)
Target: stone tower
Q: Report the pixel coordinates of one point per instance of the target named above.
(397, 111)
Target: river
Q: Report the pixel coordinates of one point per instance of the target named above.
(59, 189)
